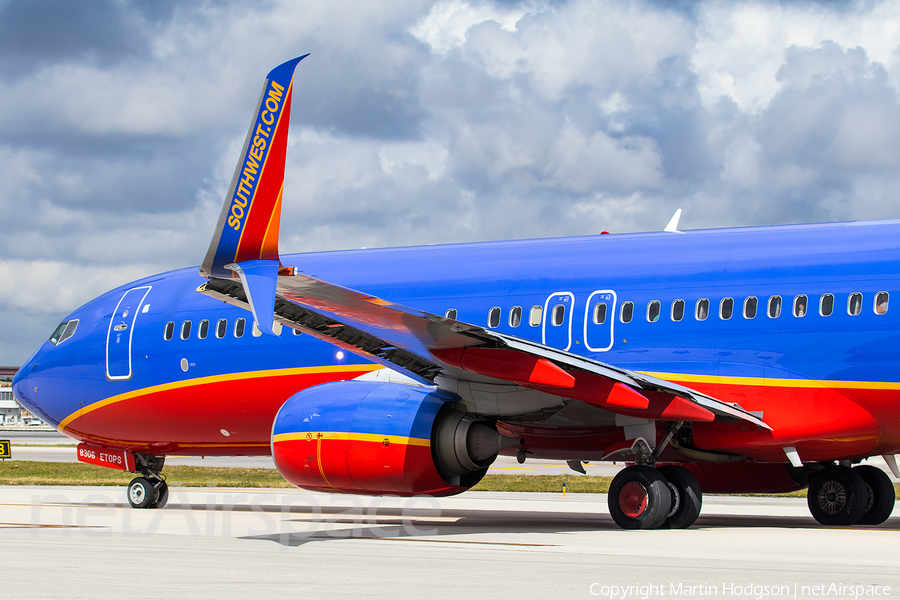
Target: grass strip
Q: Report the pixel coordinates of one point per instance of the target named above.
(23, 472)
(17, 446)
(587, 484)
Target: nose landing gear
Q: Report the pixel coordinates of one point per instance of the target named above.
(150, 490)
(146, 492)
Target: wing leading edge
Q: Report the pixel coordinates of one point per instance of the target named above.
(244, 268)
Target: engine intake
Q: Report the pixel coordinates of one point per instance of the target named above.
(382, 438)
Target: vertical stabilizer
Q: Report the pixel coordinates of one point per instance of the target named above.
(249, 222)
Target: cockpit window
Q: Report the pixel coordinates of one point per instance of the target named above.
(63, 331)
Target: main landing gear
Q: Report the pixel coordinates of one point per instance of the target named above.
(150, 490)
(839, 495)
(641, 497)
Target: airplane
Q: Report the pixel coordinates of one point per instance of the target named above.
(745, 360)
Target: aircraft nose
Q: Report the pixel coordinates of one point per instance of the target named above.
(21, 383)
(25, 385)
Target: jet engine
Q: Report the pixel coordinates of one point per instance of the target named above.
(363, 437)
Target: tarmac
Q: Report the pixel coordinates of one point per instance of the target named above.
(84, 542)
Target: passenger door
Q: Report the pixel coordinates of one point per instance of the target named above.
(121, 331)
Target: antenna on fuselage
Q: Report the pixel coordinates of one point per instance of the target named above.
(672, 227)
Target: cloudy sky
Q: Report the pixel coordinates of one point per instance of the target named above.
(420, 121)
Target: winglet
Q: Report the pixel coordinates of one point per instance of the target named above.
(259, 278)
(249, 221)
(672, 227)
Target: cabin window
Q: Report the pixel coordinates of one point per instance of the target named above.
(677, 310)
(881, 304)
(255, 331)
(627, 312)
(726, 308)
(297, 332)
(185, 330)
(535, 315)
(494, 317)
(854, 304)
(515, 316)
(702, 310)
(276, 328)
(750, 305)
(826, 305)
(451, 313)
(239, 326)
(168, 332)
(221, 328)
(801, 303)
(653, 311)
(558, 315)
(599, 313)
(774, 307)
(203, 329)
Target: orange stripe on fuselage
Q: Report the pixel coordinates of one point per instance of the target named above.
(188, 383)
(771, 382)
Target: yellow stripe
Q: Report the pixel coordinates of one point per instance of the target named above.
(772, 382)
(214, 379)
(356, 437)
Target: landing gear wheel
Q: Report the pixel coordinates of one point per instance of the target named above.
(881, 501)
(141, 493)
(639, 498)
(686, 497)
(837, 496)
(162, 495)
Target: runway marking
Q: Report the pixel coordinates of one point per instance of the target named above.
(393, 518)
(456, 542)
(45, 526)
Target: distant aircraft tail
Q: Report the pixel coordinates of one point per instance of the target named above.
(249, 222)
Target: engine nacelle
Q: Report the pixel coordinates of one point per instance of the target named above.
(363, 437)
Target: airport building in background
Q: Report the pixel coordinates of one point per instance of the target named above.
(11, 414)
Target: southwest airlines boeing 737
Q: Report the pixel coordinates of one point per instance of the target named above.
(761, 359)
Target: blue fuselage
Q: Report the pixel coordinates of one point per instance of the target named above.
(851, 262)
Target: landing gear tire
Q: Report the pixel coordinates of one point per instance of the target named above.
(162, 495)
(639, 498)
(141, 493)
(837, 496)
(881, 495)
(687, 498)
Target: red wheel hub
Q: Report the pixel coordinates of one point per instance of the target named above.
(633, 499)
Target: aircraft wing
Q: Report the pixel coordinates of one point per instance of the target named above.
(425, 346)
(244, 268)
